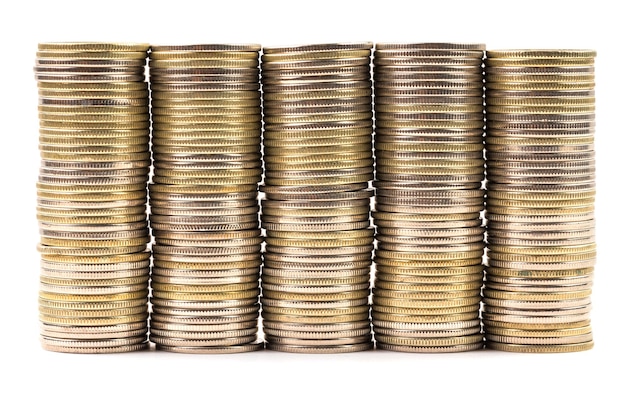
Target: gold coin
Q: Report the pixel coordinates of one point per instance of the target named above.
(169, 55)
(433, 303)
(188, 288)
(422, 319)
(344, 318)
(575, 347)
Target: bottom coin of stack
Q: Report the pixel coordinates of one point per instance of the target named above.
(316, 282)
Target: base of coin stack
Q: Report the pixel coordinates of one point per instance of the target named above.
(91, 196)
(204, 198)
(318, 161)
(540, 200)
(429, 169)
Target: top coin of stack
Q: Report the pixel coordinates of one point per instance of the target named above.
(204, 198)
(429, 169)
(91, 206)
(318, 161)
(540, 199)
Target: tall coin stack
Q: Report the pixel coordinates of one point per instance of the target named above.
(318, 162)
(429, 173)
(91, 196)
(206, 103)
(540, 200)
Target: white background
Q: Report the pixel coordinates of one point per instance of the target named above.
(270, 383)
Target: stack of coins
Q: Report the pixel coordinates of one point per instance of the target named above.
(429, 173)
(318, 164)
(91, 206)
(204, 198)
(540, 200)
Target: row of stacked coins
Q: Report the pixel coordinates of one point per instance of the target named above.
(91, 206)
(429, 173)
(204, 198)
(540, 200)
(318, 162)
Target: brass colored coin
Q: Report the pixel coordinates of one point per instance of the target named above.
(303, 334)
(199, 335)
(449, 301)
(427, 280)
(506, 272)
(423, 320)
(344, 318)
(87, 314)
(158, 286)
(429, 256)
(65, 47)
(313, 64)
(78, 251)
(270, 274)
(434, 341)
(408, 263)
(94, 282)
(101, 260)
(252, 47)
(533, 296)
(202, 62)
(542, 61)
(546, 259)
(441, 288)
(315, 312)
(100, 321)
(347, 295)
(550, 250)
(328, 342)
(555, 333)
(533, 284)
(575, 347)
(535, 325)
(418, 295)
(516, 305)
